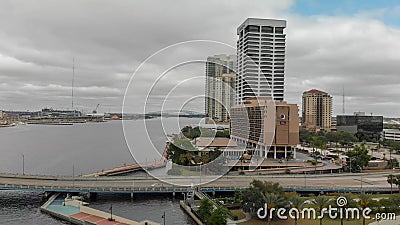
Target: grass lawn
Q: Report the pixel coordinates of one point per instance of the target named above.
(306, 222)
(238, 213)
(190, 173)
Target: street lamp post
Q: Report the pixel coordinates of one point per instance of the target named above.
(361, 180)
(111, 213)
(163, 216)
(23, 164)
(305, 174)
(73, 175)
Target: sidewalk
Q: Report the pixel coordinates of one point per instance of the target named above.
(231, 222)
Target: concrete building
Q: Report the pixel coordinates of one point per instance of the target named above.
(270, 127)
(260, 59)
(220, 86)
(391, 134)
(364, 127)
(317, 110)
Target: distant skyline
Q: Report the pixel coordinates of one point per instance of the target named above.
(330, 45)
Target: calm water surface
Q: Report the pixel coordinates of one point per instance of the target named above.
(55, 150)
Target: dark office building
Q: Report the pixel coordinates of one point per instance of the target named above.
(364, 127)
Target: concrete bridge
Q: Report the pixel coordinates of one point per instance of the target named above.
(368, 182)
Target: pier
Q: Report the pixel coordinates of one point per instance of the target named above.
(78, 212)
(123, 170)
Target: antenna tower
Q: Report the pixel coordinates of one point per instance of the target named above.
(72, 84)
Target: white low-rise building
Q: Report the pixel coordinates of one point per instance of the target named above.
(391, 134)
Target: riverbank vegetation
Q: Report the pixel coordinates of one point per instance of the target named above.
(183, 151)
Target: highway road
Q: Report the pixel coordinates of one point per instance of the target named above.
(367, 181)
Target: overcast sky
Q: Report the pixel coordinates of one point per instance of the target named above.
(330, 45)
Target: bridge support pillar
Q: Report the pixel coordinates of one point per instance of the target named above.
(173, 193)
(132, 196)
(294, 153)
(285, 152)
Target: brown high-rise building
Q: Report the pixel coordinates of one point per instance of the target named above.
(317, 110)
(270, 127)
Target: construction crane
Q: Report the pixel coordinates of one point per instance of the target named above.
(95, 110)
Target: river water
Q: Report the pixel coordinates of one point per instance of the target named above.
(81, 149)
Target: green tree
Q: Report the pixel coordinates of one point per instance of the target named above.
(224, 134)
(359, 157)
(205, 209)
(396, 202)
(346, 138)
(391, 179)
(351, 203)
(394, 179)
(364, 202)
(318, 142)
(305, 136)
(314, 163)
(252, 197)
(333, 137)
(218, 216)
(321, 202)
(396, 145)
(297, 203)
(393, 163)
(272, 200)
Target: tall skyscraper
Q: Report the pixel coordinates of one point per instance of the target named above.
(260, 59)
(220, 86)
(317, 110)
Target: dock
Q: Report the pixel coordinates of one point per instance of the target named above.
(122, 170)
(78, 212)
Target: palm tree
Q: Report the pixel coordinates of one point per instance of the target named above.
(272, 201)
(391, 179)
(351, 203)
(297, 203)
(390, 157)
(364, 202)
(397, 181)
(321, 202)
(315, 163)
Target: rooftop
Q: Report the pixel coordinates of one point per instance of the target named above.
(215, 142)
(315, 91)
(261, 22)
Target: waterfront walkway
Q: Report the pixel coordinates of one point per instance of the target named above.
(233, 222)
